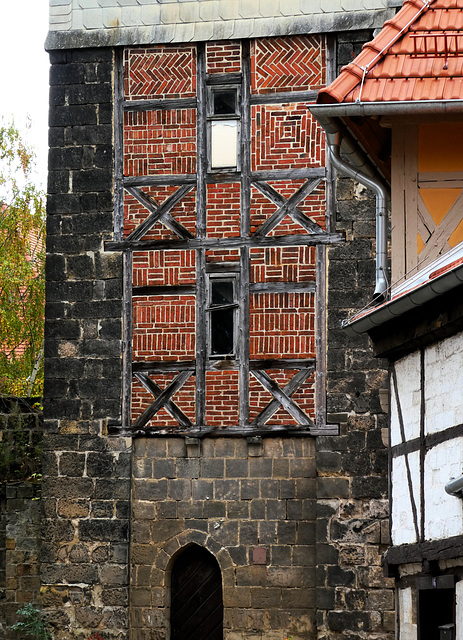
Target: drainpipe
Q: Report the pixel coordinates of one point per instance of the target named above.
(381, 213)
(454, 487)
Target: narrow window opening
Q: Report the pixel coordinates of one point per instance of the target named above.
(222, 310)
(224, 102)
(223, 127)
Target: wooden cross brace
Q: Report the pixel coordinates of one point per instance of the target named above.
(163, 399)
(282, 397)
(436, 236)
(159, 212)
(287, 206)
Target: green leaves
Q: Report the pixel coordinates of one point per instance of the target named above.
(34, 625)
(22, 261)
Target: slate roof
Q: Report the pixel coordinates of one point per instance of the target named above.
(418, 55)
(83, 23)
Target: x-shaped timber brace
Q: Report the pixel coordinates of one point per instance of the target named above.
(160, 212)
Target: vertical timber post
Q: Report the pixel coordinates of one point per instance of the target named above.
(245, 204)
(201, 226)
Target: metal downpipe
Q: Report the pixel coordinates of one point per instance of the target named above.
(381, 214)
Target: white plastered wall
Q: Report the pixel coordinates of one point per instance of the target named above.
(443, 393)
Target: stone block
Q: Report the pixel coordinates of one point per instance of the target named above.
(226, 489)
(225, 533)
(250, 489)
(267, 532)
(164, 529)
(203, 489)
(100, 465)
(265, 597)
(104, 530)
(280, 555)
(150, 489)
(237, 509)
(333, 488)
(212, 468)
(276, 509)
(180, 489)
(71, 464)
(187, 468)
(73, 508)
(260, 468)
(237, 597)
(236, 468)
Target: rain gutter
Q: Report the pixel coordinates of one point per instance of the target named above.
(409, 300)
(356, 165)
(326, 112)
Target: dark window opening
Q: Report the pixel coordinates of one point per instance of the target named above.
(222, 311)
(436, 609)
(224, 102)
(196, 596)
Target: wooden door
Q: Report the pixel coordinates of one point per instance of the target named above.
(196, 597)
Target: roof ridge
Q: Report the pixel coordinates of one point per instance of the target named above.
(373, 51)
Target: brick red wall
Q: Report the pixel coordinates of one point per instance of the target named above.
(284, 136)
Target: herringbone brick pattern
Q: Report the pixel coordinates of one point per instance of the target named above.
(288, 64)
(160, 72)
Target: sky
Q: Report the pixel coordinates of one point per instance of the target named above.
(24, 73)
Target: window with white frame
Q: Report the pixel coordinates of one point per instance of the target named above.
(223, 127)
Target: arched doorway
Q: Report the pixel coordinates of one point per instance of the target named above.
(196, 596)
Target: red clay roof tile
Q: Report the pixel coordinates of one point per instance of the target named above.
(418, 55)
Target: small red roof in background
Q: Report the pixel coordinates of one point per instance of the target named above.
(418, 55)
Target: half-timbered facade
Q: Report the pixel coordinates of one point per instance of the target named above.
(199, 431)
(401, 101)
(222, 208)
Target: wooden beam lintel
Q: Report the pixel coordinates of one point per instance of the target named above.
(301, 239)
(222, 176)
(152, 105)
(284, 97)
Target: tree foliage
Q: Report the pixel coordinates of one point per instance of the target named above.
(22, 259)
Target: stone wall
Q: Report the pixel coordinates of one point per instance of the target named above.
(20, 514)
(86, 486)
(251, 504)
(353, 597)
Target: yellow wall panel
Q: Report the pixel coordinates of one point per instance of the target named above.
(440, 147)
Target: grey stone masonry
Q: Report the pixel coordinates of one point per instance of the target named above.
(86, 484)
(233, 498)
(354, 599)
(20, 512)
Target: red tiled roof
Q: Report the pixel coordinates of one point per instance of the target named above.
(418, 55)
